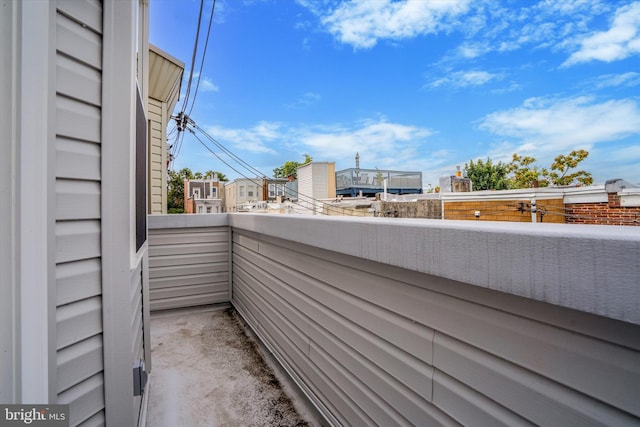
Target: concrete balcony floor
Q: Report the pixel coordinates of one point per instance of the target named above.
(208, 372)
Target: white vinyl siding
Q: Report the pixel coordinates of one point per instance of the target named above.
(378, 344)
(78, 211)
(157, 157)
(188, 266)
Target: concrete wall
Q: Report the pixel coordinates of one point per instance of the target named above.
(400, 322)
(431, 209)
(188, 260)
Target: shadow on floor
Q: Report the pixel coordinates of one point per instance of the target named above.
(207, 372)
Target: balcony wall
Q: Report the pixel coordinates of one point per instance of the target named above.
(188, 260)
(398, 322)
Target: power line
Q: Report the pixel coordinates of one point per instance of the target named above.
(204, 54)
(302, 197)
(193, 58)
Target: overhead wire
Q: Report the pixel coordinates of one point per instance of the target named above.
(204, 54)
(303, 197)
(193, 59)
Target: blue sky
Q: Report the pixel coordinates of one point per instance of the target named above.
(412, 85)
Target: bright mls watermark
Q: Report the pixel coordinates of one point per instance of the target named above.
(34, 415)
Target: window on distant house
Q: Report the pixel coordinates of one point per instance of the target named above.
(272, 190)
(200, 209)
(214, 192)
(280, 189)
(208, 209)
(250, 191)
(242, 191)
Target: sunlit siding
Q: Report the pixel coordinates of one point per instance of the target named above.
(157, 155)
(378, 344)
(78, 249)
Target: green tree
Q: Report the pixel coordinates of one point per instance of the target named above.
(559, 173)
(487, 175)
(211, 174)
(175, 193)
(289, 168)
(524, 173)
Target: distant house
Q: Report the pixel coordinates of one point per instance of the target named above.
(316, 181)
(241, 192)
(203, 196)
(165, 80)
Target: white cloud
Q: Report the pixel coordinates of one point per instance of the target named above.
(373, 139)
(544, 125)
(361, 23)
(462, 79)
(381, 144)
(619, 42)
(207, 85)
(629, 79)
(255, 139)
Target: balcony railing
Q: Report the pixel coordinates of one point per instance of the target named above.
(423, 322)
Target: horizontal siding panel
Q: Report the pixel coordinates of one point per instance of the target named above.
(182, 270)
(540, 400)
(189, 259)
(195, 279)
(76, 240)
(265, 288)
(221, 289)
(77, 80)
(155, 109)
(403, 366)
(78, 321)
(190, 230)
(188, 267)
(556, 354)
(181, 249)
(77, 120)
(327, 394)
(188, 301)
(79, 361)
(85, 400)
(87, 12)
(78, 280)
(407, 405)
(77, 199)
(188, 237)
(77, 159)
(469, 407)
(77, 42)
(297, 337)
(96, 420)
(360, 396)
(398, 330)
